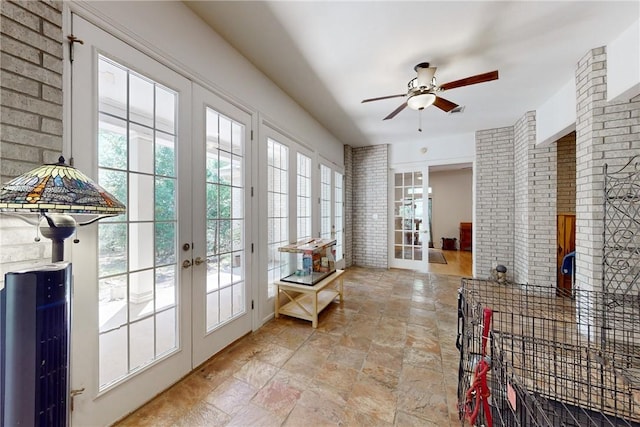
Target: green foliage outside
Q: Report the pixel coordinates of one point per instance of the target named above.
(113, 231)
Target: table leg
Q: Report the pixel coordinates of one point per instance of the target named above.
(277, 311)
(314, 322)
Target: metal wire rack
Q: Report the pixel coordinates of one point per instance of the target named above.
(558, 358)
(552, 360)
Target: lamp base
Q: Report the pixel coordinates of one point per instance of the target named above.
(57, 227)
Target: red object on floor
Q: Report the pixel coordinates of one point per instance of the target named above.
(479, 389)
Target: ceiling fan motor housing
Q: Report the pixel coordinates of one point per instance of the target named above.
(425, 75)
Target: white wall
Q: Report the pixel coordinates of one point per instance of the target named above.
(557, 116)
(442, 151)
(452, 194)
(623, 65)
(173, 34)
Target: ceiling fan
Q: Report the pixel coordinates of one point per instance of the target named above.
(421, 90)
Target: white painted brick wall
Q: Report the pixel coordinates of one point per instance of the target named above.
(370, 166)
(605, 133)
(30, 112)
(495, 198)
(535, 227)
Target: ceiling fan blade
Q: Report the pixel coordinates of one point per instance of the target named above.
(444, 104)
(396, 111)
(480, 78)
(383, 97)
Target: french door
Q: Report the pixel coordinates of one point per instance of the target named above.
(164, 287)
(409, 220)
(222, 301)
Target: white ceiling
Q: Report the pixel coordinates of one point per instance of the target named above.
(330, 55)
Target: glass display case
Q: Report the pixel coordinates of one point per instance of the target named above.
(308, 261)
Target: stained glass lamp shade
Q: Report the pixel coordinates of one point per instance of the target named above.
(55, 191)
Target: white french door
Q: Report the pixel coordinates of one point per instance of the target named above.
(409, 240)
(161, 289)
(221, 270)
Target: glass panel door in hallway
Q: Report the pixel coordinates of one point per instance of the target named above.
(410, 231)
(221, 295)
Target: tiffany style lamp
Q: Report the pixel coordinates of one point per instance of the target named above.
(54, 192)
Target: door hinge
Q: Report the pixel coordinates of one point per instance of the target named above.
(252, 134)
(251, 304)
(251, 191)
(252, 248)
(72, 40)
(73, 394)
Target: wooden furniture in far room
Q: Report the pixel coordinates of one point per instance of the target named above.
(465, 236)
(566, 244)
(305, 301)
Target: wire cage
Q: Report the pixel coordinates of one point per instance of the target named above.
(555, 360)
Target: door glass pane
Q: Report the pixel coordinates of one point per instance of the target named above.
(277, 211)
(325, 202)
(137, 280)
(225, 217)
(304, 197)
(408, 216)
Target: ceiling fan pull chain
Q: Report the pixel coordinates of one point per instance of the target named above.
(420, 120)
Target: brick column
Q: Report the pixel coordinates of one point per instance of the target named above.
(535, 234)
(495, 198)
(606, 132)
(31, 111)
(370, 206)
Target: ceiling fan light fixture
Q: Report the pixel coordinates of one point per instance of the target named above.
(420, 101)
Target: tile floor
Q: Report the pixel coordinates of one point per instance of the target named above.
(385, 357)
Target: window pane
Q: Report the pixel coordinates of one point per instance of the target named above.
(165, 287)
(165, 199)
(113, 356)
(141, 203)
(165, 243)
(165, 109)
(141, 343)
(165, 154)
(112, 142)
(213, 310)
(114, 182)
(112, 248)
(166, 332)
(141, 298)
(112, 89)
(141, 247)
(112, 304)
(141, 100)
(141, 149)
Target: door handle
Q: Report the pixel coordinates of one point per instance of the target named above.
(199, 261)
(186, 263)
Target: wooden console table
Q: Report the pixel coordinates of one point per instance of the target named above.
(310, 300)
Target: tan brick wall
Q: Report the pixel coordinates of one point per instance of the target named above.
(566, 191)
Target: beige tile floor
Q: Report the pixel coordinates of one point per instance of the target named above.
(386, 356)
